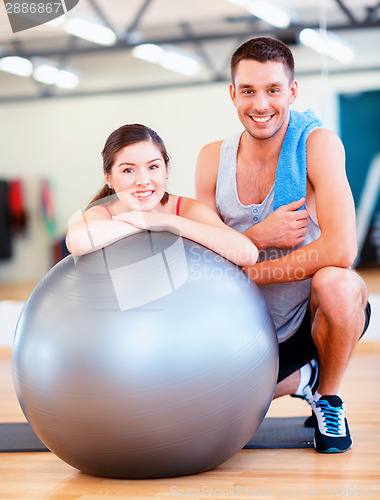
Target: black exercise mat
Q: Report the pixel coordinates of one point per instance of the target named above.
(274, 433)
(279, 433)
(19, 437)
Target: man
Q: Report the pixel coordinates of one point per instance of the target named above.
(282, 182)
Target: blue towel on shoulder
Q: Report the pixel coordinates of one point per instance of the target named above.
(290, 184)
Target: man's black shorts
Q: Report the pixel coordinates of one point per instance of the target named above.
(299, 349)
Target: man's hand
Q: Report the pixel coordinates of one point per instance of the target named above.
(285, 227)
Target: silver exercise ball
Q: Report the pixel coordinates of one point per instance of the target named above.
(153, 357)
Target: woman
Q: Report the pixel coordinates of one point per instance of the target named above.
(134, 198)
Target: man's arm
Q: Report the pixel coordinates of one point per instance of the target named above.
(335, 212)
(285, 227)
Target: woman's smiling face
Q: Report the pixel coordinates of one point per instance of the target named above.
(138, 176)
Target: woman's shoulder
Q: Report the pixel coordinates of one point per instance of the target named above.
(177, 204)
(189, 207)
(103, 210)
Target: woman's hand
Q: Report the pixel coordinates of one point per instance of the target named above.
(153, 221)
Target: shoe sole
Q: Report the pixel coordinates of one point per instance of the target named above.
(331, 450)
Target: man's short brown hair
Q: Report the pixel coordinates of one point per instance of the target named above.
(264, 49)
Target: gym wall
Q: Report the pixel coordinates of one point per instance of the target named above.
(61, 139)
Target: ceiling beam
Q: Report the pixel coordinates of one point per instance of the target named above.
(373, 13)
(348, 12)
(186, 27)
(149, 88)
(289, 36)
(99, 12)
(134, 24)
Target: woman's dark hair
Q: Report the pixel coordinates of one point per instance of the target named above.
(120, 138)
(264, 49)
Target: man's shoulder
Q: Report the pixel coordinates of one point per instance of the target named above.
(323, 144)
(206, 172)
(323, 137)
(209, 157)
(325, 154)
(211, 149)
(207, 166)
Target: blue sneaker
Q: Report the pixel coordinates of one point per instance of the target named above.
(311, 387)
(331, 429)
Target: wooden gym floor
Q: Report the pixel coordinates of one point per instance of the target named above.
(265, 474)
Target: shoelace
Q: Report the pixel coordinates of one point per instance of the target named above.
(333, 417)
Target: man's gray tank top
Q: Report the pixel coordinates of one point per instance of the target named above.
(287, 302)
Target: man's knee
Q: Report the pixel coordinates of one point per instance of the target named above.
(335, 287)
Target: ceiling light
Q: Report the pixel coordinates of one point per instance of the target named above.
(327, 44)
(90, 31)
(45, 73)
(50, 74)
(168, 57)
(240, 3)
(180, 63)
(267, 11)
(66, 79)
(57, 21)
(16, 65)
(148, 52)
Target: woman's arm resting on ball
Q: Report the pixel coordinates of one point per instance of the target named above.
(93, 229)
(199, 223)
